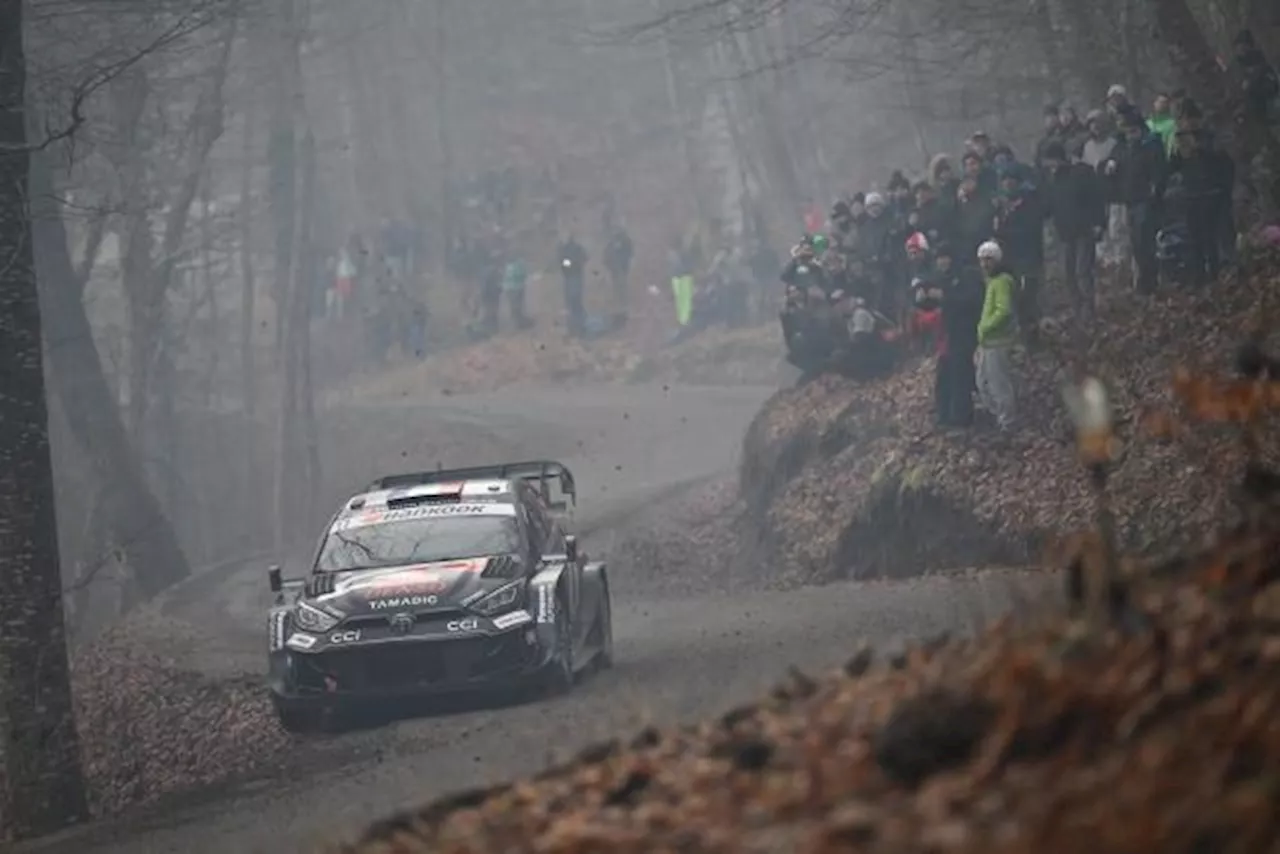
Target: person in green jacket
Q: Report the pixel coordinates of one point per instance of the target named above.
(997, 331)
(1162, 123)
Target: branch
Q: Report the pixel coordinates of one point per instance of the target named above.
(185, 26)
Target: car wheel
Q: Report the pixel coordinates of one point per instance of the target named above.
(560, 673)
(604, 660)
(298, 719)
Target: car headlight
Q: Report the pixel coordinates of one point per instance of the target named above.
(313, 619)
(502, 599)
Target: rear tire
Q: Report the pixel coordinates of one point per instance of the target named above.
(299, 719)
(604, 660)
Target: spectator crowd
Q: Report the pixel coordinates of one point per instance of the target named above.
(959, 253)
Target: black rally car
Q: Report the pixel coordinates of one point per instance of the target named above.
(440, 582)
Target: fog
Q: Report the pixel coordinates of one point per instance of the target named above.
(224, 153)
(276, 245)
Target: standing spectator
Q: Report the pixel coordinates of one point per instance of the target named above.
(946, 186)
(1117, 100)
(1077, 209)
(1097, 151)
(976, 167)
(573, 267)
(980, 144)
(1261, 86)
(873, 245)
(491, 291)
(962, 296)
(397, 247)
(1162, 122)
(617, 260)
(1197, 171)
(996, 334)
(975, 215)
(515, 279)
(1019, 229)
(1074, 132)
(929, 216)
(1052, 133)
(1136, 167)
(681, 272)
(1191, 119)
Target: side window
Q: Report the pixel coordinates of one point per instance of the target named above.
(538, 525)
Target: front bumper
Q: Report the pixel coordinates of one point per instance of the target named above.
(410, 667)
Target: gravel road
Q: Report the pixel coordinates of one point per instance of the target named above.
(676, 659)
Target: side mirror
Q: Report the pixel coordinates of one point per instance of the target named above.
(274, 580)
(571, 548)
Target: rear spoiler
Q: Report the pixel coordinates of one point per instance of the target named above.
(540, 471)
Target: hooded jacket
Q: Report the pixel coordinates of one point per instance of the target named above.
(996, 326)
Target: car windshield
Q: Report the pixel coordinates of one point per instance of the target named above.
(398, 542)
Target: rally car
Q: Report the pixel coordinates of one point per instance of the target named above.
(440, 582)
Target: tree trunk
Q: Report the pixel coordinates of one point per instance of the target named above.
(248, 284)
(308, 270)
(44, 787)
(139, 528)
(281, 167)
(291, 301)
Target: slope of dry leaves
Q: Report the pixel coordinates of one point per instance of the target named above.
(1141, 721)
(853, 480)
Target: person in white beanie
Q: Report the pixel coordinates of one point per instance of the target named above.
(1117, 99)
(997, 332)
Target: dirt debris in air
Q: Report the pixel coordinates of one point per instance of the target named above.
(715, 357)
(1142, 718)
(915, 496)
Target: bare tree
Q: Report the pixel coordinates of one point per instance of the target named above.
(44, 787)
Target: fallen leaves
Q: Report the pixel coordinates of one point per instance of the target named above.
(847, 479)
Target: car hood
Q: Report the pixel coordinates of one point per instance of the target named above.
(442, 585)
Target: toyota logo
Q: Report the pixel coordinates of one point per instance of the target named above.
(401, 624)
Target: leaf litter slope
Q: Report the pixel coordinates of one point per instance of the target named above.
(835, 449)
(1145, 722)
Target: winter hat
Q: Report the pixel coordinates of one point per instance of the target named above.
(1117, 91)
(1094, 116)
(991, 250)
(860, 198)
(917, 242)
(874, 199)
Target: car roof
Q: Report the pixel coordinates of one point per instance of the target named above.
(469, 491)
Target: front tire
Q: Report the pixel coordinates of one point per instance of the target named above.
(560, 675)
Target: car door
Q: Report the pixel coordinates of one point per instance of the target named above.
(554, 544)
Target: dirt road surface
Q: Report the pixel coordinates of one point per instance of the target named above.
(676, 659)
